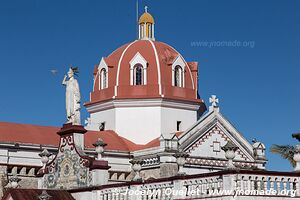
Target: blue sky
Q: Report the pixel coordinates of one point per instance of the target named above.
(258, 84)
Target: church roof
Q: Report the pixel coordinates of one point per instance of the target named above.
(159, 58)
(47, 135)
(25, 194)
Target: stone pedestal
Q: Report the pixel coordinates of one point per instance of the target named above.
(168, 166)
(77, 131)
(3, 179)
(181, 160)
(71, 166)
(100, 175)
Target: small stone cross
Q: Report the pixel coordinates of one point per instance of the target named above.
(214, 100)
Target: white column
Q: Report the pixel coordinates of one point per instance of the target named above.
(139, 32)
(145, 75)
(152, 31)
(145, 30)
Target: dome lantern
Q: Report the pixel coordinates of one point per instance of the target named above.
(146, 25)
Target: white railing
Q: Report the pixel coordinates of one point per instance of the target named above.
(115, 193)
(157, 191)
(206, 185)
(267, 182)
(200, 187)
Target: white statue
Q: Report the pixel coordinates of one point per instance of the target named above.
(72, 97)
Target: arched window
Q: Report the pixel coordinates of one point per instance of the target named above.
(103, 78)
(138, 74)
(178, 76)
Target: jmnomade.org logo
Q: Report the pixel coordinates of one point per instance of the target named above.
(198, 192)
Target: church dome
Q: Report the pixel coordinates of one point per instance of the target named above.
(145, 69)
(146, 18)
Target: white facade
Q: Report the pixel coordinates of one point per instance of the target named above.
(151, 117)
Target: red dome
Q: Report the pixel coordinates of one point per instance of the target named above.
(160, 59)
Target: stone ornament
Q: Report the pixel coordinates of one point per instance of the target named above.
(13, 182)
(99, 148)
(136, 167)
(259, 150)
(45, 157)
(296, 157)
(181, 160)
(230, 149)
(44, 196)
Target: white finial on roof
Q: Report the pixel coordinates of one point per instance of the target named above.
(146, 8)
(214, 102)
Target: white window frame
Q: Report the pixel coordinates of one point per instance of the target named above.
(101, 66)
(140, 60)
(178, 62)
(135, 72)
(102, 76)
(180, 81)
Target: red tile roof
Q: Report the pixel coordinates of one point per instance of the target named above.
(47, 135)
(25, 194)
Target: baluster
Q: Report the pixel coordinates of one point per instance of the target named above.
(105, 195)
(187, 188)
(266, 184)
(215, 184)
(219, 184)
(258, 183)
(248, 181)
(101, 196)
(210, 185)
(171, 194)
(296, 185)
(252, 183)
(109, 195)
(143, 195)
(195, 189)
(284, 184)
(121, 191)
(204, 186)
(277, 185)
(196, 183)
(199, 188)
(160, 191)
(154, 192)
(151, 194)
(291, 184)
(263, 183)
(242, 185)
(271, 184)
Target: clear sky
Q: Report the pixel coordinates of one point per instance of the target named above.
(257, 83)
